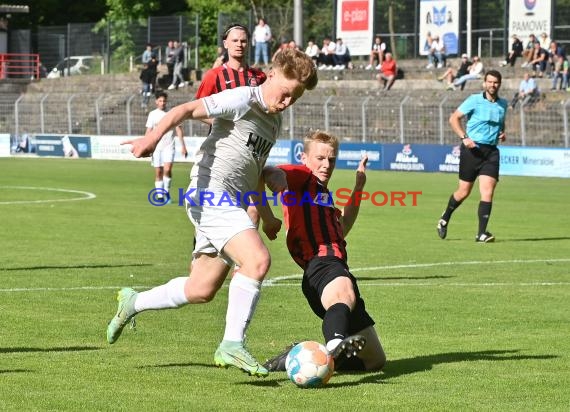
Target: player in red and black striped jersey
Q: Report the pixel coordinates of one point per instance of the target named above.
(235, 72)
(316, 232)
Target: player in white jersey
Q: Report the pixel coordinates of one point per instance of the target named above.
(246, 124)
(163, 156)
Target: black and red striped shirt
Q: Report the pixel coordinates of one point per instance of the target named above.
(312, 221)
(223, 77)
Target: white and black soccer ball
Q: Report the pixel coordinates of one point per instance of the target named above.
(309, 365)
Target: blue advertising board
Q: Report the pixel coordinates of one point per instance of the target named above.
(63, 146)
(349, 155)
(285, 152)
(531, 161)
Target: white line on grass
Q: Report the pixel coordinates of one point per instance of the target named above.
(86, 195)
(272, 282)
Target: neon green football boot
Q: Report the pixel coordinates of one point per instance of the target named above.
(126, 311)
(235, 354)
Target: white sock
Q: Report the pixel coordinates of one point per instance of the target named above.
(167, 181)
(168, 296)
(158, 184)
(242, 299)
(332, 344)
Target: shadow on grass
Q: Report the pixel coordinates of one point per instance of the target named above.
(407, 366)
(15, 371)
(535, 239)
(62, 349)
(74, 267)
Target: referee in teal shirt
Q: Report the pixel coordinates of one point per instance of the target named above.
(479, 156)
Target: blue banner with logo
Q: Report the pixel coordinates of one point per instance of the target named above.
(285, 152)
(349, 155)
(63, 146)
(417, 157)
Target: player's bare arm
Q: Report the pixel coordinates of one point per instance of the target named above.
(350, 212)
(144, 146)
(456, 123)
(275, 178)
(270, 224)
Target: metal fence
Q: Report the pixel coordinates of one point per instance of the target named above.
(387, 117)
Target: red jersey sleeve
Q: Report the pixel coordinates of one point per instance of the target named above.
(208, 84)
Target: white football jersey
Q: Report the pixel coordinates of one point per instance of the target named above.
(233, 156)
(153, 119)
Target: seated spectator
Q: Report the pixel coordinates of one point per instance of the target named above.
(312, 51)
(377, 53)
(528, 92)
(539, 60)
(516, 51)
(555, 50)
(475, 73)
(327, 52)
(436, 53)
(451, 74)
(388, 71)
(341, 58)
(544, 41)
(560, 72)
(529, 50)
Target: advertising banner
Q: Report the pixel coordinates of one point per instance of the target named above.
(440, 18)
(529, 17)
(355, 25)
(285, 152)
(527, 161)
(63, 146)
(4, 145)
(349, 155)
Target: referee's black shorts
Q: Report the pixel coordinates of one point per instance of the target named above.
(320, 271)
(481, 160)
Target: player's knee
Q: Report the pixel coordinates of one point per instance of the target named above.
(257, 268)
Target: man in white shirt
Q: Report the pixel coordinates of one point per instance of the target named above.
(261, 39)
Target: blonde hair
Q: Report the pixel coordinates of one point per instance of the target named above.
(320, 137)
(295, 64)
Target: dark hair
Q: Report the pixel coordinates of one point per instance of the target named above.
(161, 94)
(495, 73)
(235, 26)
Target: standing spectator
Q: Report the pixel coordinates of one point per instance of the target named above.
(341, 57)
(539, 60)
(177, 77)
(377, 53)
(388, 71)
(479, 156)
(516, 51)
(475, 71)
(528, 51)
(146, 78)
(450, 74)
(560, 72)
(528, 92)
(312, 51)
(261, 38)
(147, 54)
(163, 156)
(169, 56)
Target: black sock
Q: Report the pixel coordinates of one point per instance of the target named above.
(336, 321)
(451, 206)
(484, 214)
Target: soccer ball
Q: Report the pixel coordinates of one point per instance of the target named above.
(309, 365)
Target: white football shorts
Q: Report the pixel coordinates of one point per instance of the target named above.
(216, 221)
(162, 156)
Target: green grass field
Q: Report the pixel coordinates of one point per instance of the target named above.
(466, 326)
